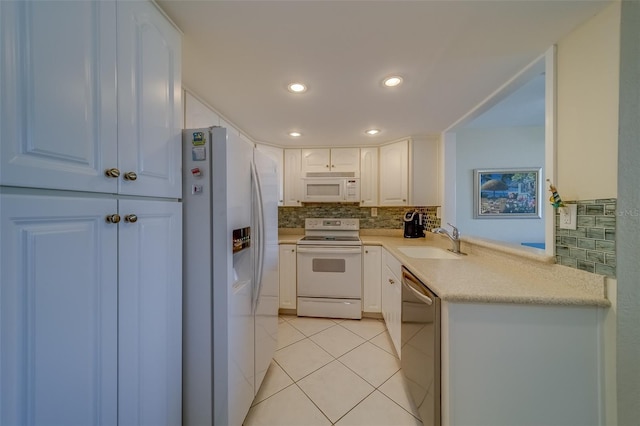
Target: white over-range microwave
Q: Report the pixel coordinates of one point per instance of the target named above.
(331, 189)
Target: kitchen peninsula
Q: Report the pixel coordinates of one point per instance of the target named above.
(521, 336)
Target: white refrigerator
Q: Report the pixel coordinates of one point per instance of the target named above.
(230, 287)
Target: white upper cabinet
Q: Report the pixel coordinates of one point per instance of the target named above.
(64, 123)
(425, 157)
(331, 160)
(394, 174)
(316, 160)
(345, 160)
(277, 155)
(58, 89)
(369, 176)
(397, 174)
(149, 102)
(292, 177)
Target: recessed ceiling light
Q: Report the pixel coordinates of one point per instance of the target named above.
(297, 88)
(295, 134)
(392, 81)
(372, 132)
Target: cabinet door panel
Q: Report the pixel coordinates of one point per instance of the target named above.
(316, 160)
(58, 301)
(394, 174)
(58, 92)
(372, 279)
(345, 160)
(292, 177)
(149, 101)
(277, 155)
(368, 177)
(288, 276)
(150, 313)
(386, 302)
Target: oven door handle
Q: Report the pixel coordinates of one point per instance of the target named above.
(330, 250)
(411, 284)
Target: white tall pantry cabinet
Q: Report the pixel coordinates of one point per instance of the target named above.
(90, 265)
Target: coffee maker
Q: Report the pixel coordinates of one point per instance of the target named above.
(413, 225)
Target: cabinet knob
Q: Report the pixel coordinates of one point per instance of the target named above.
(366, 251)
(113, 218)
(333, 165)
(112, 173)
(293, 250)
(130, 176)
(404, 200)
(391, 281)
(131, 218)
(327, 165)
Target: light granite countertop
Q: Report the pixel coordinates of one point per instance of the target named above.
(490, 272)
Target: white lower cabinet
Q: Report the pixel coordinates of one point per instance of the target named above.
(150, 313)
(372, 279)
(287, 266)
(392, 297)
(91, 311)
(59, 304)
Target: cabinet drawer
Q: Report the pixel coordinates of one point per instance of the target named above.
(392, 263)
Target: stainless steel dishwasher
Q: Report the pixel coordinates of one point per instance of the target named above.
(420, 337)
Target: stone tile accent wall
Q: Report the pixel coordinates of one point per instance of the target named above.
(388, 217)
(592, 246)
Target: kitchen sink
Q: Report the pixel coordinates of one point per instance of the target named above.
(427, 253)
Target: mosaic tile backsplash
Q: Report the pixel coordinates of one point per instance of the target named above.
(592, 246)
(388, 217)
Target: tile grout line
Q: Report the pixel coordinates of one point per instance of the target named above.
(375, 388)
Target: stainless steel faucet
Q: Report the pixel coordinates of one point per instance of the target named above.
(453, 236)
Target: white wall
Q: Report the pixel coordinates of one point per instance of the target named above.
(496, 148)
(587, 102)
(197, 114)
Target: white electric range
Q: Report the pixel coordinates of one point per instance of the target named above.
(330, 269)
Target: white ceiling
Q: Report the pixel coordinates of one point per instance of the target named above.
(524, 107)
(239, 56)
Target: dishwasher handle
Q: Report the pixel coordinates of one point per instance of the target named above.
(416, 287)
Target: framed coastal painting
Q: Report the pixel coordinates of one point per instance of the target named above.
(507, 193)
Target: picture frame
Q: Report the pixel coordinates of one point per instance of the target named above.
(510, 193)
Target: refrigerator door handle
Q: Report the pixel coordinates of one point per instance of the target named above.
(260, 234)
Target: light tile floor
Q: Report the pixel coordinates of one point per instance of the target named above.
(333, 372)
